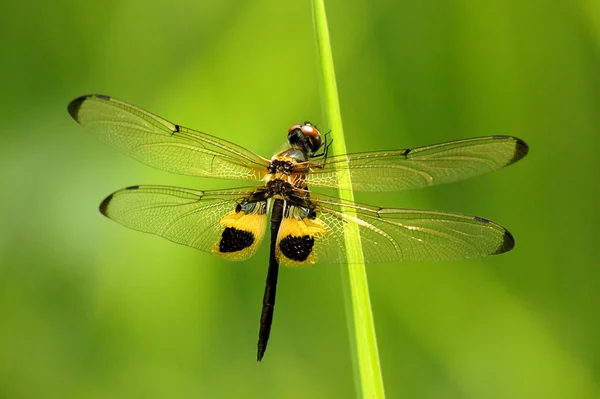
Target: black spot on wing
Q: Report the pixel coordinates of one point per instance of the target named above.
(297, 248)
(104, 205)
(233, 240)
(103, 97)
(132, 188)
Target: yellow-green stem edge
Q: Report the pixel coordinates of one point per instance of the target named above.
(365, 356)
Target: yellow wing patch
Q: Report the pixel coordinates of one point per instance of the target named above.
(296, 238)
(242, 234)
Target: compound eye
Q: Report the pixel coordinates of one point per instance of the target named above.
(310, 138)
(310, 130)
(294, 127)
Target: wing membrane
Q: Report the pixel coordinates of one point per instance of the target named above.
(162, 144)
(396, 235)
(189, 217)
(418, 167)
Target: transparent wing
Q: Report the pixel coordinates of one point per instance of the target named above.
(162, 144)
(397, 235)
(417, 167)
(205, 220)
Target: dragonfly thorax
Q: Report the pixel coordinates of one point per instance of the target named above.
(280, 166)
(278, 187)
(285, 161)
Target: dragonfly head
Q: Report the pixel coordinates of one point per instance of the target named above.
(306, 136)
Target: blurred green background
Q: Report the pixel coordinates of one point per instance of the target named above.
(90, 309)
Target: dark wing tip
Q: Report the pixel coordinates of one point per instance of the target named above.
(104, 205)
(508, 243)
(521, 149)
(75, 105)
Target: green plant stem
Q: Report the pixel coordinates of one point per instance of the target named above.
(365, 357)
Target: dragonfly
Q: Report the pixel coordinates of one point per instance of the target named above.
(306, 227)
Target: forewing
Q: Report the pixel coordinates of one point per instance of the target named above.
(397, 235)
(162, 144)
(218, 222)
(416, 167)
